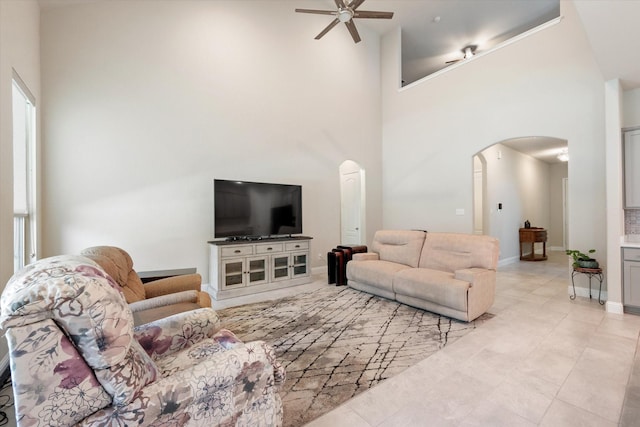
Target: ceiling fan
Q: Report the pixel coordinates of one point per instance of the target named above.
(468, 52)
(347, 13)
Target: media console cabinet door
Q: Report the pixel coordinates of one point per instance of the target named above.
(299, 264)
(280, 267)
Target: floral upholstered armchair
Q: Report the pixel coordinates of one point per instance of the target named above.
(76, 358)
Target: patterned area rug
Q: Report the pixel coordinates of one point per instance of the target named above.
(337, 342)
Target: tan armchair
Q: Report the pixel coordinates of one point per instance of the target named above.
(153, 300)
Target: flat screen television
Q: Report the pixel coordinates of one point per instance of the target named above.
(245, 209)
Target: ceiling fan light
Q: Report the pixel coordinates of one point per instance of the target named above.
(345, 15)
(468, 52)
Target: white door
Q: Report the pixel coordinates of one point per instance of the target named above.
(351, 204)
(478, 197)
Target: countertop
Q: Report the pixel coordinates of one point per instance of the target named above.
(630, 241)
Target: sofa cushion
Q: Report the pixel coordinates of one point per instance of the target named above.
(378, 274)
(437, 286)
(452, 251)
(399, 246)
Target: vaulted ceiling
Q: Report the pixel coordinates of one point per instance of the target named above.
(436, 31)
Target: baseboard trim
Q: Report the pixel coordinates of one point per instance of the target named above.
(584, 292)
(614, 307)
(507, 261)
(319, 270)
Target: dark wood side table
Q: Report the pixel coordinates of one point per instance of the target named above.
(591, 272)
(533, 235)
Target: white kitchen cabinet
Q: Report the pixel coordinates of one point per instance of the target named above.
(632, 169)
(631, 279)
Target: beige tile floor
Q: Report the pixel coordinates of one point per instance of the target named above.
(542, 360)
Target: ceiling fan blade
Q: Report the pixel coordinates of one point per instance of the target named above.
(326, 30)
(340, 4)
(353, 30)
(355, 4)
(319, 12)
(373, 14)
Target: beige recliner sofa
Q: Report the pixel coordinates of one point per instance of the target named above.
(447, 273)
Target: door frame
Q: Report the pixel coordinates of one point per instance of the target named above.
(348, 167)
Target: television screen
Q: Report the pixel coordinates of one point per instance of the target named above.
(256, 209)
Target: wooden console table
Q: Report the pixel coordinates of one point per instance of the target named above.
(533, 235)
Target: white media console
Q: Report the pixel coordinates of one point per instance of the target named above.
(244, 267)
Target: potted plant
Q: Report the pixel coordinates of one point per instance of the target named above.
(582, 260)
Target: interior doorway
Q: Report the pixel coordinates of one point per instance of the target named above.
(352, 203)
(517, 180)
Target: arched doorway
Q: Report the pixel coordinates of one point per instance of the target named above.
(352, 203)
(521, 179)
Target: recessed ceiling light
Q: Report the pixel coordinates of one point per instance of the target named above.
(563, 156)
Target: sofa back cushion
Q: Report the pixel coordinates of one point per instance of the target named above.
(452, 251)
(401, 246)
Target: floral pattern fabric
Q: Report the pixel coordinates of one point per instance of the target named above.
(77, 360)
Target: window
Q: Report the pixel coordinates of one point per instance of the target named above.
(24, 143)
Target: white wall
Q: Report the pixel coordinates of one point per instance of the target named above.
(147, 102)
(557, 172)
(545, 84)
(19, 51)
(631, 108)
(614, 200)
(521, 184)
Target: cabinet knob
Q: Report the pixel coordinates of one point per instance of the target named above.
(297, 246)
(269, 249)
(237, 251)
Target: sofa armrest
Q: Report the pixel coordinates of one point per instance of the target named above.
(474, 275)
(169, 285)
(231, 366)
(366, 256)
(482, 289)
(164, 300)
(177, 332)
(228, 382)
